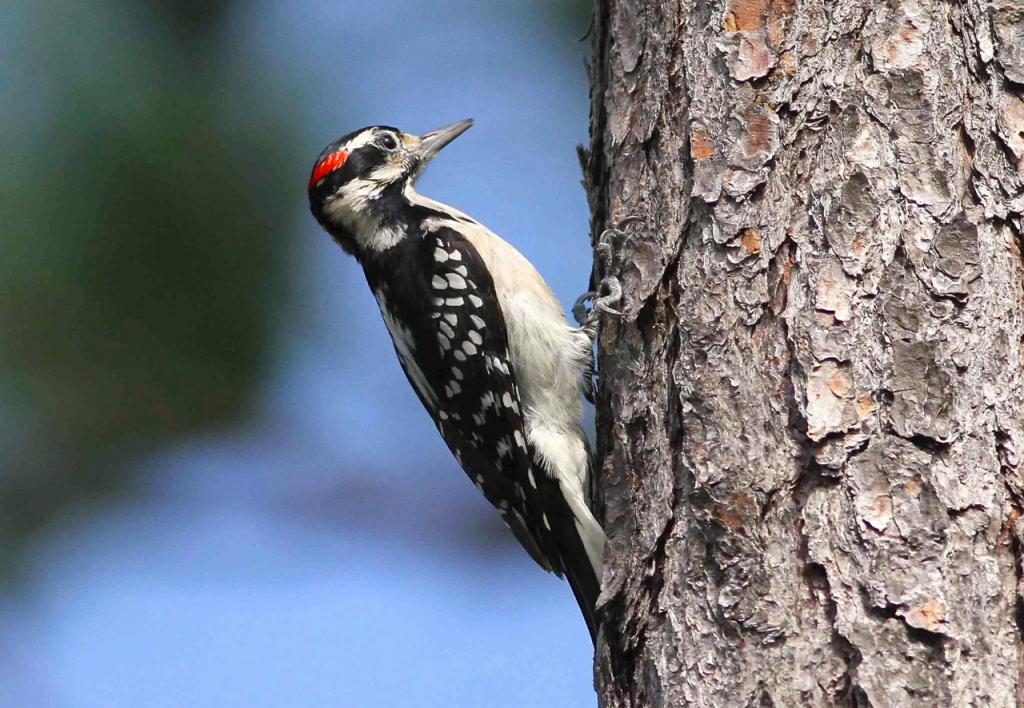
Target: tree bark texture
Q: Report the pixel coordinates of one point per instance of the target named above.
(811, 412)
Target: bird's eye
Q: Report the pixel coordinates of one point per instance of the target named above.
(388, 142)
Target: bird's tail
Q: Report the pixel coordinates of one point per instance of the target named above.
(586, 586)
(583, 561)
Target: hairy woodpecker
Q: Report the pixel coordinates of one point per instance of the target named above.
(481, 338)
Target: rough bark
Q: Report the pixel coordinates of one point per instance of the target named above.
(811, 412)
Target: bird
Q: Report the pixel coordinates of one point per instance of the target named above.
(482, 340)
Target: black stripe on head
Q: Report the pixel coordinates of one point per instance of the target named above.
(360, 161)
(340, 142)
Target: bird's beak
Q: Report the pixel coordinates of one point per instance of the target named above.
(432, 142)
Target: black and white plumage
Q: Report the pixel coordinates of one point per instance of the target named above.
(481, 338)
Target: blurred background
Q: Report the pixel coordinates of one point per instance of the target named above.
(216, 486)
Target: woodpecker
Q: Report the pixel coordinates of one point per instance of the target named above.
(481, 338)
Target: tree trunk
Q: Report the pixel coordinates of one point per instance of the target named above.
(811, 411)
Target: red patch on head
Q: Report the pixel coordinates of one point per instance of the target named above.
(327, 165)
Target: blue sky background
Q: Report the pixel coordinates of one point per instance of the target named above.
(320, 548)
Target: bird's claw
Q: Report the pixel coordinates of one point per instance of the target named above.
(608, 293)
(580, 310)
(614, 296)
(588, 320)
(598, 303)
(610, 285)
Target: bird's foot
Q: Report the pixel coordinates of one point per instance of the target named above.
(590, 305)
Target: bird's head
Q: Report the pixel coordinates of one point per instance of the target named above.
(359, 180)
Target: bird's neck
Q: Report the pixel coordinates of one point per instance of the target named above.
(371, 222)
(394, 215)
